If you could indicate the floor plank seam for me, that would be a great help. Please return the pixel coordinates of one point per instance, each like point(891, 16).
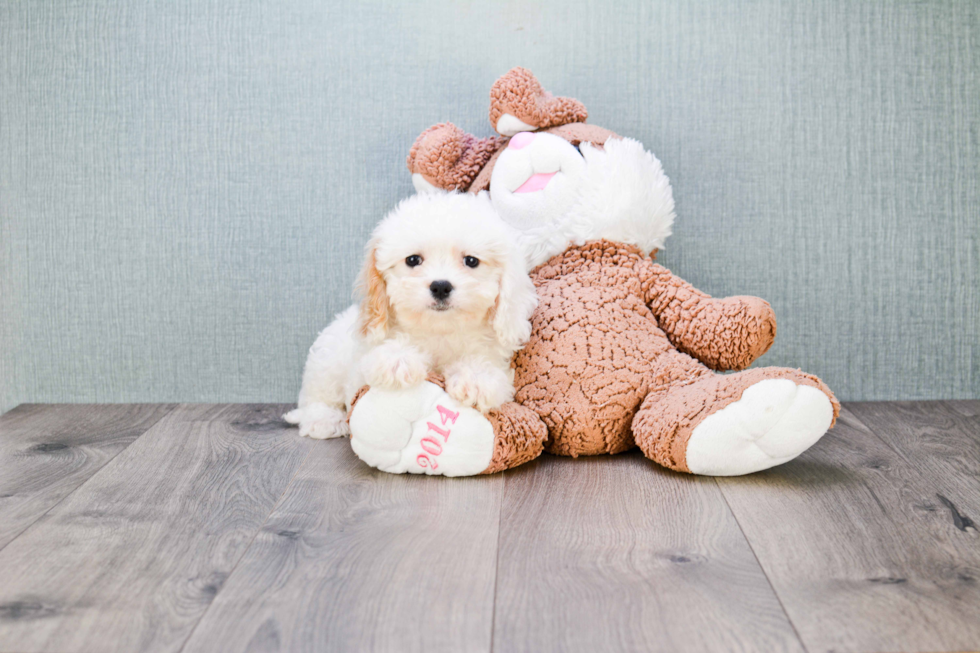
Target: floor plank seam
point(775, 593)
point(246, 549)
point(496, 564)
point(80, 485)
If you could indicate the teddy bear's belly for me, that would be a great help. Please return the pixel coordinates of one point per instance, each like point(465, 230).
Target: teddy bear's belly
point(586, 370)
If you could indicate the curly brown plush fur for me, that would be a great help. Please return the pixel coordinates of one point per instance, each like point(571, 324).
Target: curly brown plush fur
point(599, 348)
point(519, 94)
point(449, 158)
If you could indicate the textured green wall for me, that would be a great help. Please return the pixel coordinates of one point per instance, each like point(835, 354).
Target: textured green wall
point(185, 187)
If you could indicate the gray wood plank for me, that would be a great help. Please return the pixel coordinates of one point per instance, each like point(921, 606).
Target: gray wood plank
point(965, 407)
point(357, 560)
point(941, 440)
point(859, 549)
point(619, 554)
point(131, 560)
point(46, 451)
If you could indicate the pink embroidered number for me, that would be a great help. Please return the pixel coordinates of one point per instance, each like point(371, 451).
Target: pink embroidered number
point(446, 414)
point(430, 444)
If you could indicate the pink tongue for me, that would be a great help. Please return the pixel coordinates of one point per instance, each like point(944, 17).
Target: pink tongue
point(536, 182)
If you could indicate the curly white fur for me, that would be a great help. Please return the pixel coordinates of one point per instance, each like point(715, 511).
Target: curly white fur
point(402, 329)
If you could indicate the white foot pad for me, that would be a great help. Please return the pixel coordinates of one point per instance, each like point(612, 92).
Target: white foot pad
point(774, 422)
point(421, 430)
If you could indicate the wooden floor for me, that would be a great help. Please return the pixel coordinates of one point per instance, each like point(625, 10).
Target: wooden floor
point(216, 528)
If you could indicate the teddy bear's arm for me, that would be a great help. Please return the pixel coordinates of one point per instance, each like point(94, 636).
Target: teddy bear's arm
point(724, 333)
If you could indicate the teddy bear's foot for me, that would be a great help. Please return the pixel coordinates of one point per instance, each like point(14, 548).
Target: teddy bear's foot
point(736, 424)
point(420, 430)
point(774, 422)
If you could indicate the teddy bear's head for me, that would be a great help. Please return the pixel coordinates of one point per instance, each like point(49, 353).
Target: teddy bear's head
point(557, 180)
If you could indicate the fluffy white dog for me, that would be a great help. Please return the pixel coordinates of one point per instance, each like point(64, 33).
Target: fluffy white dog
point(445, 289)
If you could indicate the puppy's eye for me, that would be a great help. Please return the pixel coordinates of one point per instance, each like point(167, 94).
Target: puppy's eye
point(413, 260)
point(471, 261)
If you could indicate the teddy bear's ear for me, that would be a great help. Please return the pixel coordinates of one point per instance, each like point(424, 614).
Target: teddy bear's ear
point(445, 157)
point(518, 104)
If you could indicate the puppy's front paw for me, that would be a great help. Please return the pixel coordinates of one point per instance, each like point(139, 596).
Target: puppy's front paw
point(395, 367)
point(319, 421)
point(480, 385)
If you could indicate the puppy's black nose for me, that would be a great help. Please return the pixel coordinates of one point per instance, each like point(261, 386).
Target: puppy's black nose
point(440, 289)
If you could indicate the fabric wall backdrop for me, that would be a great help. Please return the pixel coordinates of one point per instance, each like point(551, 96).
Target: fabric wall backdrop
point(185, 188)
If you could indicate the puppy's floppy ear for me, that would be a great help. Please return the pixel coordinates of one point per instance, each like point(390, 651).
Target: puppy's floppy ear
point(515, 303)
point(375, 312)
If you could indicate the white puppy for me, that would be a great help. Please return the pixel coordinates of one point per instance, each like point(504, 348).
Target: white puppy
point(445, 290)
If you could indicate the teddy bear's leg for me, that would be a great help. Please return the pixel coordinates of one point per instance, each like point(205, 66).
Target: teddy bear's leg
point(422, 430)
point(519, 436)
point(728, 425)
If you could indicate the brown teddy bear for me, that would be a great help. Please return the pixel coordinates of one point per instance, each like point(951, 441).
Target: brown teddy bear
point(623, 353)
